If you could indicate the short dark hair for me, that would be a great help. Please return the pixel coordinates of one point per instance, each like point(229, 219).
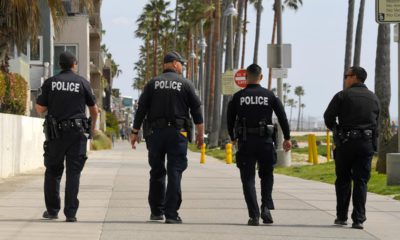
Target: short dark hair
point(253, 70)
point(359, 72)
point(67, 60)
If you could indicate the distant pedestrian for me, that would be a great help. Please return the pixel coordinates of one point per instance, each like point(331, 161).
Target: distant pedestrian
point(355, 134)
point(166, 102)
point(250, 126)
point(65, 97)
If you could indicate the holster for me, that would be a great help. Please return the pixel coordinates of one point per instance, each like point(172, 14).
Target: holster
point(146, 128)
point(50, 128)
point(188, 125)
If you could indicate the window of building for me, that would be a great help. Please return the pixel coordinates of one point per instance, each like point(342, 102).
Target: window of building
point(58, 49)
point(36, 52)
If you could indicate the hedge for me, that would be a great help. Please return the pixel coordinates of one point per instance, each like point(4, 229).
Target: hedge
point(13, 93)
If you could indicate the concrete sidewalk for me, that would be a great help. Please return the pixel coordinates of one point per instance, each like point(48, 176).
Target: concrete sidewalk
point(113, 205)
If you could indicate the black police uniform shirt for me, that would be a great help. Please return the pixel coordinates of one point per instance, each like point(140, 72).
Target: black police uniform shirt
point(356, 107)
point(168, 96)
point(256, 103)
point(66, 95)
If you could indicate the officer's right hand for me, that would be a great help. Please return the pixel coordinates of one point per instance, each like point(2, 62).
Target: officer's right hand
point(134, 139)
point(199, 140)
point(287, 145)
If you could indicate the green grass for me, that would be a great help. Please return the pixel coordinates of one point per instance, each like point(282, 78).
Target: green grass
point(326, 173)
point(304, 138)
point(215, 152)
point(321, 172)
point(321, 150)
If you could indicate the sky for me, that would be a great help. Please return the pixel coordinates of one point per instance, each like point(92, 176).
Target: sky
point(317, 32)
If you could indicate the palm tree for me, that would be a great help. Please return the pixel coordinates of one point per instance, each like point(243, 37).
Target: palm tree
point(286, 91)
point(291, 4)
point(244, 33)
point(299, 91)
point(292, 104)
point(259, 8)
point(302, 106)
point(158, 10)
point(357, 46)
point(382, 91)
point(20, 22)
point(239, 24)
point(349, 37)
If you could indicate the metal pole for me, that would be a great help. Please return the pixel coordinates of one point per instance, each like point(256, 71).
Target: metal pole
point(283, 157)
point(398, 89)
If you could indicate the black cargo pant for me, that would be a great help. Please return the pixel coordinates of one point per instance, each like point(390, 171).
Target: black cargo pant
point(171, 142)
point(71, 146)
point(254, 150)
point(353, 164)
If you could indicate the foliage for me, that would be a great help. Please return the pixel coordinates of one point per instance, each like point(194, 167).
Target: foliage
point(13, 93)
point(112, 124)
point(326, 173)
point(100, 141)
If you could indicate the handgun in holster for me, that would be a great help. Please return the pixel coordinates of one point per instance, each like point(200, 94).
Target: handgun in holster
point(189, 128)
point(87, 127)
point(146, 128)
point(336, 135)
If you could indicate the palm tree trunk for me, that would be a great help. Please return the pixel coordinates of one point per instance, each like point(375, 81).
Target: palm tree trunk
point(214, 134)
point(155, 55)
point(290, 119)
point(382, 91)
point(298, 116)
point(349, 38)
point(244, 33)
point(272, 42)
point(259, 9)
point(210, 77)
point(238, 35)
point(357, 46)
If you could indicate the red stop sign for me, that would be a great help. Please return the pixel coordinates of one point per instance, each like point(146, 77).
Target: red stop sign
point(240, 78)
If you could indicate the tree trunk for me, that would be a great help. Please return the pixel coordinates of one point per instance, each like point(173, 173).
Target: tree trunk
point(349, 38)
point(272, 42)
point(238, 34)
point(209, 93)
point(244, 33)
point(216, 123)
point(258, 23)
point(298, 116)
point(382, 91)
point(357, 46)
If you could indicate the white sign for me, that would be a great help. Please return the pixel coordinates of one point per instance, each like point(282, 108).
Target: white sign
point(272, 55)
point(279, 73)
point(387, 11)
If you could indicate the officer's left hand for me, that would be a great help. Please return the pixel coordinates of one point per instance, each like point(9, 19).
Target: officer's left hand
point(287, 145)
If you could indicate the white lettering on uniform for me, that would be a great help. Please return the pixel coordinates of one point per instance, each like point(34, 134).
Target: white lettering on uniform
point(165, 84)
point(65, 86)
point(254, 100)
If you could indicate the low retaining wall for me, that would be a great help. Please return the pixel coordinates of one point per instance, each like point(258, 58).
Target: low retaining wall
point(21, 144)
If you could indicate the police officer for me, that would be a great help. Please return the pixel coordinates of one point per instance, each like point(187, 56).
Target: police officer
point(165, 102)
point(250, 123)
point(64, 97)
point(357, 110)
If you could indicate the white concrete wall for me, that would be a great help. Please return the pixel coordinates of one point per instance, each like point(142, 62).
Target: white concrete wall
point(21, 144)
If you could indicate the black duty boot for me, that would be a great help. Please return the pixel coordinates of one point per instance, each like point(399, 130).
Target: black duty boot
point(340, 222)
point(49, 216)
point(357, 225)
point(253, 222)
point(176, 220)
point(156, 217)
point(266, 216)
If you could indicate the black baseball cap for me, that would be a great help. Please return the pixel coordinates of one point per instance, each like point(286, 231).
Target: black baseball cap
point(67, 59)
point(174, 56)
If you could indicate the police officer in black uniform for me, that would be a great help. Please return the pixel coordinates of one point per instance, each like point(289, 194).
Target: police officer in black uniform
point(165, 102)
point(64, 97)
point(250, 122)
point(357, 110)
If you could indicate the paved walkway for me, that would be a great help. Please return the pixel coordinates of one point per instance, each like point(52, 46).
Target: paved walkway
point(114, 205)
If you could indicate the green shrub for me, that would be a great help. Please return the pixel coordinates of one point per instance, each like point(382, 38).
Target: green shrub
point(13, 93)
point(112, 125)
point(100, 141)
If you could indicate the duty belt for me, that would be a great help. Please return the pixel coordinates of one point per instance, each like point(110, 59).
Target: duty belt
point(71, 124)
point(164, 123)
point(355, 134)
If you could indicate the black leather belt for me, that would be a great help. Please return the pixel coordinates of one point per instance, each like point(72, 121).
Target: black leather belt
point(164, 123)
